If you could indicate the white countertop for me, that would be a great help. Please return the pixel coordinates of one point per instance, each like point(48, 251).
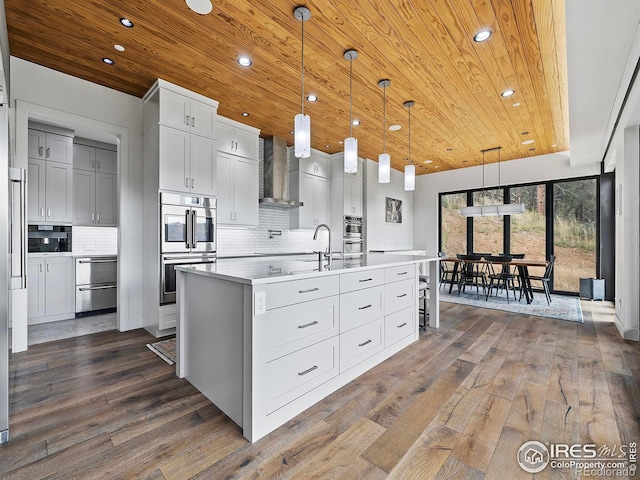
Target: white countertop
point(254, 271)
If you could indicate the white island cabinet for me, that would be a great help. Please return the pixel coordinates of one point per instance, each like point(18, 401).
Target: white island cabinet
point(267, 338)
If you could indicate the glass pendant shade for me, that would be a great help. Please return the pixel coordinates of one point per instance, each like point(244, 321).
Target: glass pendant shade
point(384, 168)
point(302, 136)
point(350, 155)
point(410, 177)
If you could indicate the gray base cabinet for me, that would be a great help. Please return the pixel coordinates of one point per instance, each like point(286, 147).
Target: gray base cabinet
point(51, 289)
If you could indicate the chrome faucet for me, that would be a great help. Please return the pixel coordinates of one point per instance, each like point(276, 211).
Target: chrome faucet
point(315, 237)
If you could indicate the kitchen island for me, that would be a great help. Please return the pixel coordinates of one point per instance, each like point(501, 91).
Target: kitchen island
point(264, 339)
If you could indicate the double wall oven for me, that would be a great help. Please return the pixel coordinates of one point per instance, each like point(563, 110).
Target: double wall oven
point(352, 237)
point(188, 232)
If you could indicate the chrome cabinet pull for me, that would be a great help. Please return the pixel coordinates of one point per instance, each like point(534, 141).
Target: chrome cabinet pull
point(315, 367)
point(402, 325)
point(366, 306)
point(187, 120)
point(403, 295)
point(308, 324)
point(48, 268)
point(186, 182)
point(403, 273)
point(366, 280)
point(93, 215)
point(48, 212)
point(363, 344)
point(98, 165)
point(98, 261)
point(48, 152)
point(102, 287)
point(42, 212)
point(193, 121)
point(40, 268)
point(40, 151)
point(193, 182)
point(98, 218)
point(308, 291)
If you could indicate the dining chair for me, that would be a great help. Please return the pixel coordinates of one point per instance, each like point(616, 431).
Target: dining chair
point(545, 279)
point(423, 296)
point(447, 274)
point(471, 273)
point(502, 276)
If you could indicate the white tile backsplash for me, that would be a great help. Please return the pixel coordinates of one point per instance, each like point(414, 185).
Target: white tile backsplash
point(95, 240)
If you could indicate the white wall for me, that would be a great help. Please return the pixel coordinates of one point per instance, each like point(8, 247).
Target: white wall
point(381, 235)
point(540, 168)
point(100, 113)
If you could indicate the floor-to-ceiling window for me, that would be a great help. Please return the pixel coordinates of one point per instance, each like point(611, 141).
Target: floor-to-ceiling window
point(575, 210)
point(488, 232)
point(453, 225)
point(528, 230)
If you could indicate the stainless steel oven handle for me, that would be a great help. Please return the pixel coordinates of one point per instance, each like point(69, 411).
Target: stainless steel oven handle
point(187, 222)
point(98, 261)
point(102, 287)
point(195, 258)
point(194, 231)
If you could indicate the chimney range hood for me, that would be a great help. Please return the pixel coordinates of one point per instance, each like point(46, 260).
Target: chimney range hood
point(275, 174)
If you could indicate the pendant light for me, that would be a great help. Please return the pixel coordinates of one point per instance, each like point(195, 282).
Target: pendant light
point(302, 122)
point(492, 210)
point(409, 170)
point(351, 144)
point(384, 160)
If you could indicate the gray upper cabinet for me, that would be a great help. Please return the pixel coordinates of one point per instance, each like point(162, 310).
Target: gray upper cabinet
point(50, 146)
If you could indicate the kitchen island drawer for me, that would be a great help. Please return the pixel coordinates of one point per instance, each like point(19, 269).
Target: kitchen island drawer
point(398, 325)
point(360, 343)
point(291, 376)
point(290, 328)
point(359, 280)
point(360, 307)
point(401, 272)
point(398, 295)
point(288, 293)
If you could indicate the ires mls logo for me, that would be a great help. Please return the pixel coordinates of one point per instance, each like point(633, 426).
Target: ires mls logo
point(533, 457)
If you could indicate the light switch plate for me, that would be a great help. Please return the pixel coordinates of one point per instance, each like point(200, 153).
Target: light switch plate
point(260, 303)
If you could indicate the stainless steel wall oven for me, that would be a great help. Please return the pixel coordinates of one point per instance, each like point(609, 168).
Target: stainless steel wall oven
point(352, 237)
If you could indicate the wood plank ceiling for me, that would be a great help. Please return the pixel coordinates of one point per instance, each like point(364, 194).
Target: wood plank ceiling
point(425, 47)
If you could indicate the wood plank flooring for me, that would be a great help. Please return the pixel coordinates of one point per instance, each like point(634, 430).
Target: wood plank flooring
point(456, 404)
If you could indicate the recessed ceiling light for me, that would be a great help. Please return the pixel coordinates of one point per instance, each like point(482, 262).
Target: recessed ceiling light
point(292, 132)
point(516, 104)
point(507, 93)
point(394, 128)
point(355, 122)
point(108, 61)
point(126, 22)
point(200, 6)
point(312, 98)
point(119, 48)
point(327, 146)
point(449, 149)
point(340, 142)
point(428, 161)
point(532, 149)
point(245, 61)
point(482, 35)
point(465, 161)
point(528, 142)
point(437, 166)
point(525, 133)
point(245, 114)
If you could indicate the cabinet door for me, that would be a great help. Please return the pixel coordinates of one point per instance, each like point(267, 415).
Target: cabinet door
point(106, 199)
point(36, 177)
point(316, 165)
point(36, 144)
point(246, 143)
point(84, 158)
point(84, 197)
point(306, 213)
point(322, 200)
point(59, 286)
point(224, 188)
point(357, 198)
point(35, 287)
point(224, 136)
point(106, 161)
point(59, 192)
point(245, 191)
point(174, 160)
point(203, 165)
point(203, 119)
point(59, 148)
point(174, 110)
point(352, 196)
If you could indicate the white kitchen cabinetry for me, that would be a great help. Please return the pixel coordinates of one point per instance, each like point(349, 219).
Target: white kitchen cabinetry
point(309, 183)
point(51, 288)
point(238, 139)
point(353, 189)
point(237, 190)
point(187, 162)
point(181, 111)
point(95, 186)
point(50, 191)
point(53, 147)
point(347, 192)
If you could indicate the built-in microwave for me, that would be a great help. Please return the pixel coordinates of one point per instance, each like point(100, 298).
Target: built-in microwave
point(49, 238)
point(352, 227)
point(187, 223)
point(352, 248)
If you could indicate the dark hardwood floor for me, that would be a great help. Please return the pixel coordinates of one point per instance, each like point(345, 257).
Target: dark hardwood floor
point(456, 404)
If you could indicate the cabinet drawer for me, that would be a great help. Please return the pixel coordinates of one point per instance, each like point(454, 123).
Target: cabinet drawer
point(168, 317)
point(397, 295)
point(289, 293)
point(359, 280)
point(402, 272)
point(360, 343)
point(398, 325)
point(293, 327)
point(360, 307)
point(291, 376)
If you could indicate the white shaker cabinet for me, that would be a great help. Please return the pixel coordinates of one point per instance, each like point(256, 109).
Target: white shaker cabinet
point(309, 183)
point(188, 114)
point(236, 138)
point(353, 196)
point(50, 146)
point(187, 163)
point(50, 192)
point(237, 190)
point(51, 288)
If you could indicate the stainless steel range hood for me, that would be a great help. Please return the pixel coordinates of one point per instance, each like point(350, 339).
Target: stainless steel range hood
point(275, 174)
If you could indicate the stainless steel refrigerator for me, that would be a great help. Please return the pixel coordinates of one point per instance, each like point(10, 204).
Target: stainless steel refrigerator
point(4, 276)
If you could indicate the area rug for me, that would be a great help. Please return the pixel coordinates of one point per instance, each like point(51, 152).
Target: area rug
point(562, 307)
point(165, 349)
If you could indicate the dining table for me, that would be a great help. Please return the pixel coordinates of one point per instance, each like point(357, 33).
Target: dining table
point(522, 266)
